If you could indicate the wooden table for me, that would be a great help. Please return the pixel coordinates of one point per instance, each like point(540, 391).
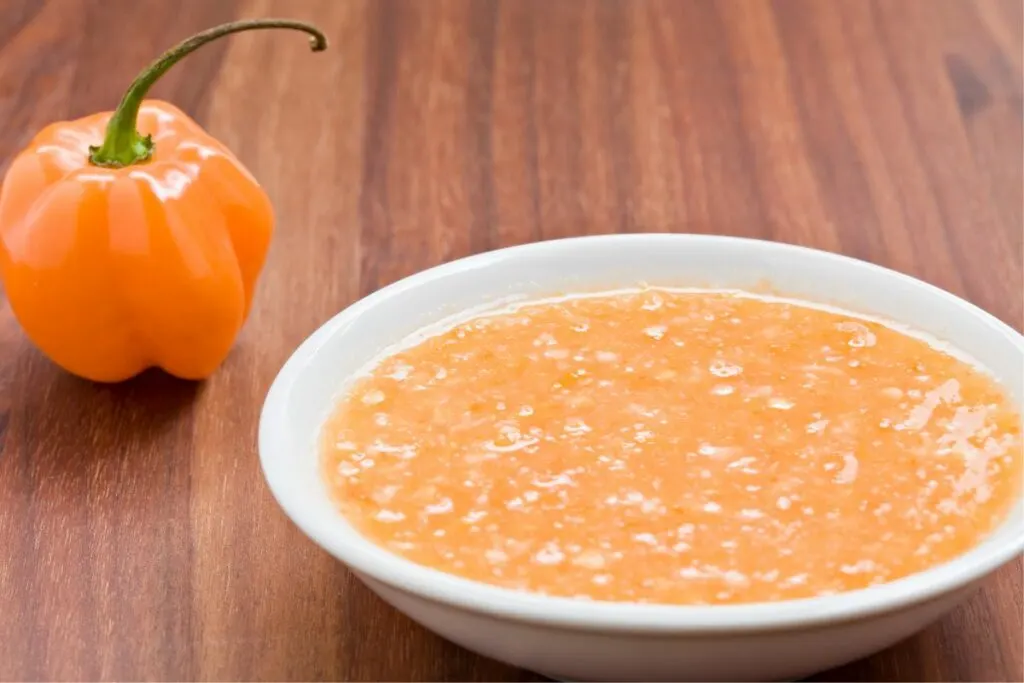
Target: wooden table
point(137, 537)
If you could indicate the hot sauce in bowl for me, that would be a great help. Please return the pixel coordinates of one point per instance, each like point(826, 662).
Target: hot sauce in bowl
point(532, 617)
point(674, 447)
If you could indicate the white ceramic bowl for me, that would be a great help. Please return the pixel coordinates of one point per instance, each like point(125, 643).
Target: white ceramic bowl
point(569, 639)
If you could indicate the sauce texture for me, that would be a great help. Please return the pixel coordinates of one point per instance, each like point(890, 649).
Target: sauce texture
point(674, 446)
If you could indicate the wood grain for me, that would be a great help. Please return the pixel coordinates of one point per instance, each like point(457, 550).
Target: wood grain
point(137, 538)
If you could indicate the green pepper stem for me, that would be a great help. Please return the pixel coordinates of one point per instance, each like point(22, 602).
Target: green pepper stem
point(122, 144)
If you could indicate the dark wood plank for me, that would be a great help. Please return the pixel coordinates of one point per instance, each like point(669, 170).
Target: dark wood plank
point(140, 540)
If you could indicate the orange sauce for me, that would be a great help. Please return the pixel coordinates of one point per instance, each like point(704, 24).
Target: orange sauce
point(674, 447)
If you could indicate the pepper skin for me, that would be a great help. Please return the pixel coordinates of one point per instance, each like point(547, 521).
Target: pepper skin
point(140, 252)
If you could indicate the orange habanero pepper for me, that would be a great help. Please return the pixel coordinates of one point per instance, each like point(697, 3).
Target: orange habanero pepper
point(140, 251)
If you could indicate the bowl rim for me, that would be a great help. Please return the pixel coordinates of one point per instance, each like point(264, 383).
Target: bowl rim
point(369, 560)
